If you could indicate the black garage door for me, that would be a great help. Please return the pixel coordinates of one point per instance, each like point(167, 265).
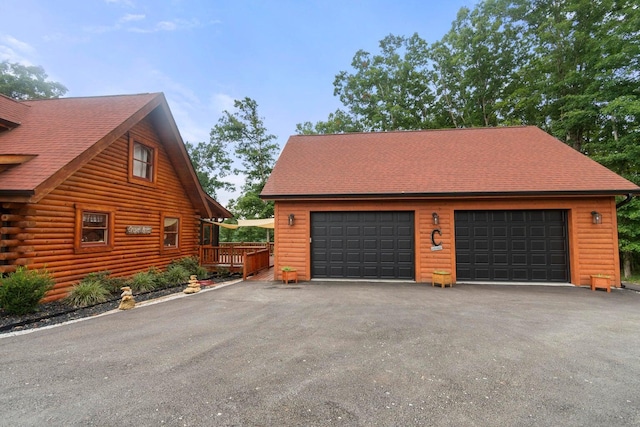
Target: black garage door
point(362, 245)
point(526, 246)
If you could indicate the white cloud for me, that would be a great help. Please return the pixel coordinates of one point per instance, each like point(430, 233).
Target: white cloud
point(175, 25)
point(129, 17)
point(221, 102)
point(14, 50)
point(125, 3)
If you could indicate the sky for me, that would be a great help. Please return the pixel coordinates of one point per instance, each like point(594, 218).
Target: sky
point(204, 54)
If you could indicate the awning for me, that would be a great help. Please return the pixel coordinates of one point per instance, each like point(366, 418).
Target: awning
point(263, 223)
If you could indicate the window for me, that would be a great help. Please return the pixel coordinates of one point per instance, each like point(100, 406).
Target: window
point(171, 232)
point(94, 228)
point(142, 161)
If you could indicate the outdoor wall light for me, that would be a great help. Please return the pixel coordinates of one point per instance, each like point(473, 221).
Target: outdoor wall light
point(436, 218)
point(291, 219)
point(596, 217)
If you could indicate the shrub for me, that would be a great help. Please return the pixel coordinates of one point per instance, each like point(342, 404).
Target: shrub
point(142, 282)
point(21, 291)
point(176, 274)
point(114, 284)
point(189, 263)
point(223, 271)
point(111, 284)
point(88, 292)
point(202, 272)
point(159, 280)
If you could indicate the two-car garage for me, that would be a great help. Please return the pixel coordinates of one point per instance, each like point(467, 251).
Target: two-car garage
point(490, 245)
point(505, 202)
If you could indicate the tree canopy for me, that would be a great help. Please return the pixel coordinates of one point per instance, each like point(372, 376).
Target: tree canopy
point(239, 136)
point(569, 67)
point(24, 82)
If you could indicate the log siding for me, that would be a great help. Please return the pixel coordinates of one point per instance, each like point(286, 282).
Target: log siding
point(593, 248)
point(104, 183)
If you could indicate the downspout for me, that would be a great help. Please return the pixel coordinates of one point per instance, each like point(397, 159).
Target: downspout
point(626, 200)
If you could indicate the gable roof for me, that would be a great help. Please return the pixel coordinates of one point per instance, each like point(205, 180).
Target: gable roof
point(59, 136)
point(520, 160)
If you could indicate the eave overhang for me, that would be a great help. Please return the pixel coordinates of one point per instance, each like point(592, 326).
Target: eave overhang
point(451, 195)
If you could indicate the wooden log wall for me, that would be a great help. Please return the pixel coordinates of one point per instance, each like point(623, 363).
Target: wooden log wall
point(13, 225)
point(49, 230)
point(593, 249)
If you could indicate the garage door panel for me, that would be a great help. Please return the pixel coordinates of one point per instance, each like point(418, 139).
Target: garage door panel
point(405, 257)
point(369, 231)
point(538, 246)
point(353, 244)
point(518, 245)
point(336, 256)
point(363, 245)
point(370, 256)
point(370, 244)
point(519, 259)
point(352, 230)
point(499, 244)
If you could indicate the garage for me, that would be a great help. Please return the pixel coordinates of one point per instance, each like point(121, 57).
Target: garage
point(518, 245)
point(362, 245)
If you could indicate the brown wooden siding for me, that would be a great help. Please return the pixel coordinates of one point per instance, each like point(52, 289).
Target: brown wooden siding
point(593, 248)
point(104, 182)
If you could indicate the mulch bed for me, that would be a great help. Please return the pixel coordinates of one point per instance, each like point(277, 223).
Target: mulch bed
point(59, 311)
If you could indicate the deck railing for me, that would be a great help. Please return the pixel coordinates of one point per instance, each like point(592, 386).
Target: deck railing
point(255, 261)
point(236, 257)
point(269, 245)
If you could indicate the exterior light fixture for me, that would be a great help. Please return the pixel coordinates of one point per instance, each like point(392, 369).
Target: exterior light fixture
point(596, 217)
point(436, 218)
point(291, 219)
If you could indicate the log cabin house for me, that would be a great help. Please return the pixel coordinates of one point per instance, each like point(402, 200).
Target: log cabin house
point(487, 205)
point(94, 184)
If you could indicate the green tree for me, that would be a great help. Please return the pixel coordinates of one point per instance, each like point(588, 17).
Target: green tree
point(23, 82)
point(388, 91)
point(211, 162)
point(338, 122)
point(475, 63)
point(244, 133)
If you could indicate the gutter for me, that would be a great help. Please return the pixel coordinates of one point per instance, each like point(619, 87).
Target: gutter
point(626, 200)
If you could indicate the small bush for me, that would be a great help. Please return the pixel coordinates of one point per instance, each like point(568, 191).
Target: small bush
point(114, 284)
point(159, 279)
point(88, 292)
point(223, 271)
point(202, 272)
point(176, 274)
point(142, 282)
point(21, 291)
point(189, 263)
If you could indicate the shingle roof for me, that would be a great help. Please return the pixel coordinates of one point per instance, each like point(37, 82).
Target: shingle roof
point(11, 111)
point(64, 133)
point(58, 131)
point(476, 161)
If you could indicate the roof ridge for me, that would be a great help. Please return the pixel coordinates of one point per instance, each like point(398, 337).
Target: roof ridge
point(92, 97)
point(478, 128)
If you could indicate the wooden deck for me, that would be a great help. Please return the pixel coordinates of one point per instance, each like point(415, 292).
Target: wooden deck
point(249, 259)
point(264, 275)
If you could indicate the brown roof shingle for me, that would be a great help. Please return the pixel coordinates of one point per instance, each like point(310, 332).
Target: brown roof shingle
point(63, 134)
point(476, 161)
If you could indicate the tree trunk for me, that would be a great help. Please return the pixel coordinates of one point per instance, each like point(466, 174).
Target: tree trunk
point(626, 264)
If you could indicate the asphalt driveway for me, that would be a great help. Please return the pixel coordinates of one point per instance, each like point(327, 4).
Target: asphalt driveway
point(328, 353)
